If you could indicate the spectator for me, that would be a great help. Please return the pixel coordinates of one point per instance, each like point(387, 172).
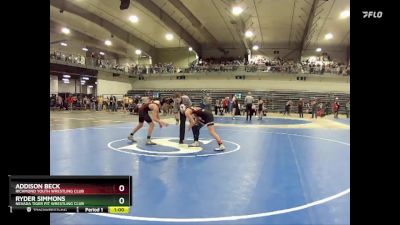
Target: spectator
point(235, 107)
point(336, 107)
point(314, 108)
point(207, 102)
point(328, 108)
point(300, 106)
point(226, 104)
point(60, 102)
point(288, 107)
point(216, 106)
point(260, 104)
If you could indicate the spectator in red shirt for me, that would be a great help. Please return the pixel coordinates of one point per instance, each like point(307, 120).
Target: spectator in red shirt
point(336, 107)
point(225, 104)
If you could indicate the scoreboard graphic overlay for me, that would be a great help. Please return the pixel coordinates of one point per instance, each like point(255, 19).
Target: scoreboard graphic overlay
point(78, 194)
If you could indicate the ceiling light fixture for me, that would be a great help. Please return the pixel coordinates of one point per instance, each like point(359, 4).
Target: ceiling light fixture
point(65, 30)
point(344, 14)
point(169, 36)
point(237, 10)
point(249, 34)
point(134, 19)
point(328, 36)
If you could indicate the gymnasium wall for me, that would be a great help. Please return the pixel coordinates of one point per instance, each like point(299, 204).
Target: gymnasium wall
point(270, 82)
point(339, 54)
point(73, 87)
point(107, 84)
point(209, 52)
point(53, 84)
point(126, 61)
point(57, 86)
point(178, 56)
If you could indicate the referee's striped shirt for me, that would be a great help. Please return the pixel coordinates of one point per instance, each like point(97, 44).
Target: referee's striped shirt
point(185, 100)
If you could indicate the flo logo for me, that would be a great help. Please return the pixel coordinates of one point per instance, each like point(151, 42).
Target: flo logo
point(372, 14)
point(170, 147)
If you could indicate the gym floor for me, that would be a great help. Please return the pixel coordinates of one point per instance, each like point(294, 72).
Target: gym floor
point(280, 170)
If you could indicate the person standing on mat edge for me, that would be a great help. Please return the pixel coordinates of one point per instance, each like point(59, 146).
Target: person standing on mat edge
point(179, 99)
point(197, 118)
point(207, 102)
point(336, 107)
point(249, 104)
point(348, 109)
point(235, 107)
point(314, 107)
point(260, 108)
point(300, 106)
point(144, 116)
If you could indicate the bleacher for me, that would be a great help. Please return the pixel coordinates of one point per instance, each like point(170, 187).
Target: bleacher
point(276, 99)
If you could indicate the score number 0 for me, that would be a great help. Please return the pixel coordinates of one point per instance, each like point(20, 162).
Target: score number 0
point(121, 200)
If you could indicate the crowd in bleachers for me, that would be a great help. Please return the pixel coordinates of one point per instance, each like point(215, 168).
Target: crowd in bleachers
point(275, 64)
point(313, 65)
point(322, 68)
point(101, 61)
point(216, 65)
point(163, 68)
point(224, 106)
point(68, 57)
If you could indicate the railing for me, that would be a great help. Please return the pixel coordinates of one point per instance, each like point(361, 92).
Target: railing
point(276, 100)
point(89, 67)
point(92, 63)
point(266, 69)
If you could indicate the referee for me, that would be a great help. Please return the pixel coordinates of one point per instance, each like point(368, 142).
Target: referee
point(179, 99)
point(249, 105)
